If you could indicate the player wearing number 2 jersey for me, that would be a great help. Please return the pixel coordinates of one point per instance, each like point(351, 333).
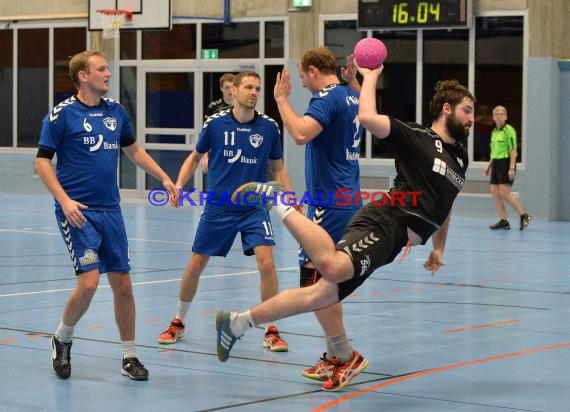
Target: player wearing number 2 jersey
point(241, 143)
point(331, 132)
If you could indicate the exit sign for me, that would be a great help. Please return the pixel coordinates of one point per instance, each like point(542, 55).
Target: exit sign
point(302, 3)
point(209, 54)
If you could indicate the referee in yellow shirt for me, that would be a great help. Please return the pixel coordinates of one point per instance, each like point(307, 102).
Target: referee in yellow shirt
point(502, 168)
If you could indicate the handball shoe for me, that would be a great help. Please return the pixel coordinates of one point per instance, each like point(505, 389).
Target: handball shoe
point(501, 224)
point(525, 220)
point(173, 334)
point(225, 339)
point(61, 357)
point(134, 369)
point(273, 341)
point(320, 371)
point(342, 374)
point(257, 194)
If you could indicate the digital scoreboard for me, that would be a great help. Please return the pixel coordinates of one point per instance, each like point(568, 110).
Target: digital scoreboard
point(413, 14)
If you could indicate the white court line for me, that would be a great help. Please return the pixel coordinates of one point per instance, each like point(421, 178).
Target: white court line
point(173, 242)
point(29, 231)
point(153, 282)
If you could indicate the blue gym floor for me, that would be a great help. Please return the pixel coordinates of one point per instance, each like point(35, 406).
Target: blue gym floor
point(490, 332)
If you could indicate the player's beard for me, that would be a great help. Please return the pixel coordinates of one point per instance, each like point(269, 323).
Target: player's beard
point(456, 129)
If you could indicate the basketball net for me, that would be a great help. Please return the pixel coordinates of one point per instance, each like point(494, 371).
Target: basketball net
point(112, 20)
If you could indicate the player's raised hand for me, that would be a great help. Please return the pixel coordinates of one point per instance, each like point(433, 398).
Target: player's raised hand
point(282, 84)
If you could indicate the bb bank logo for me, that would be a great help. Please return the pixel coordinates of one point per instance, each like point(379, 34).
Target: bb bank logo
point(95, 143)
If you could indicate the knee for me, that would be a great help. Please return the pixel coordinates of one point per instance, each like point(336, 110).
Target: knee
point(323, 293)
point(337, 268)
point(505, 191)
point(266, 265)
point(123, 289)
point(329, 269)
point(88, 287)
point(196, 266)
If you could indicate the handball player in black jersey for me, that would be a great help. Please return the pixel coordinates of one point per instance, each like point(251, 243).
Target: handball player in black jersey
point(430, 164)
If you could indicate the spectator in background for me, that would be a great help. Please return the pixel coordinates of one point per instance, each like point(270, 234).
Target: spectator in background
point(225, 102)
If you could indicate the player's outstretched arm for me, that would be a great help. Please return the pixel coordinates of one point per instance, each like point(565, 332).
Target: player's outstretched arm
point(377, 124)
point(141, 158)
point(435, 258)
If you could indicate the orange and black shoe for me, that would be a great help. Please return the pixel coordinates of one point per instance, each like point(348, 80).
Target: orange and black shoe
point(273, 341)
point(344, 373)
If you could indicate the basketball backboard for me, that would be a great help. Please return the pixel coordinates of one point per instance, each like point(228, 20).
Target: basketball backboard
point(147, 14)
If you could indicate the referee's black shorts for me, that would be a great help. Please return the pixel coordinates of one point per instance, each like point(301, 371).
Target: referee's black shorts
point(373, 238)
point(500, 172)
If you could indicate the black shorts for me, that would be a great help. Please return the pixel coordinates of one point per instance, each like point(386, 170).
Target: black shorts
point(373, 238)
point(500, 172)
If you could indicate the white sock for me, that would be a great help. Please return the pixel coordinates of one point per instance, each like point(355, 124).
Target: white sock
point(128, 349)
point(241, 322)
point(342, 348)
point(283, 210)
point(64, 333)
point(182, 310)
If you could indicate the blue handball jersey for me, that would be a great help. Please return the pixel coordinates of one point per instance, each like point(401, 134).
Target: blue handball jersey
point(238, 153)
point(87, 141)
point(331, 159)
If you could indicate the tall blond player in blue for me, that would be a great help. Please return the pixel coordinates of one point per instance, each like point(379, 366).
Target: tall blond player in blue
point(87, 133)
point(241, 144)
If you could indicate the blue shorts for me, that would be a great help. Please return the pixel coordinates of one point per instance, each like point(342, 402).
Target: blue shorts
point(100, 244)
point(217, 230)
point(333, 220)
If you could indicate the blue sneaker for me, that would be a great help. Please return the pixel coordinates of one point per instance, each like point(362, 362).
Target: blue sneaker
point(225, 339)
point(262, 195)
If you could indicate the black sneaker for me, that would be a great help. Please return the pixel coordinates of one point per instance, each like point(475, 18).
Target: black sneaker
point(61, 358)
point(134, 369)
point(501, 224)
point(525, 220)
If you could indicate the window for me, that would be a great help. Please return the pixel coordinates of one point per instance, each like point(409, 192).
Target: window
point(233, 41)
point(498, 77)
point(128, 45)
point(33, 84)
point(274, 39)
point(178, 43)
point(396, 89)
point(67, 42)
point(340, 38)
point(170, 100)
point(128, 98)
point(446, 57)
point(6, 87)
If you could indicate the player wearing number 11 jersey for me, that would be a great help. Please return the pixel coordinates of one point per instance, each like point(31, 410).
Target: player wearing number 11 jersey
point(242, 143)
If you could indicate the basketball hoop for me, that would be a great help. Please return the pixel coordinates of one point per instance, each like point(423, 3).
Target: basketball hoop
point(112, 20)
